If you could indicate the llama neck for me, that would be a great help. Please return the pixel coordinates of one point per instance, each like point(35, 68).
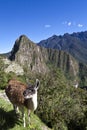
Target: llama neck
point(31, 103)
point(34, 100)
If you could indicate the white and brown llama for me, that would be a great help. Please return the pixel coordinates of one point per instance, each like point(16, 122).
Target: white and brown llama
point(22, 96)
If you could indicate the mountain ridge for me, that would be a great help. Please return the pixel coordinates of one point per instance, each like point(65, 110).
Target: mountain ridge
point(75, 44)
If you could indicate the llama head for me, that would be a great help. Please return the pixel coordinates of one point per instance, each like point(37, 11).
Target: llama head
point(31, 90)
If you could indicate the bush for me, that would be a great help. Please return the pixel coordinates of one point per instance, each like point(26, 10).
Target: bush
point(61, 106)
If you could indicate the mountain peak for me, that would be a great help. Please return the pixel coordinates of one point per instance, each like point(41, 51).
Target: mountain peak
point(22, 42)
point(23, 38)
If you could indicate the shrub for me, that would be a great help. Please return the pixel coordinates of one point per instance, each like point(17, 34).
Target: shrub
point(61, 106)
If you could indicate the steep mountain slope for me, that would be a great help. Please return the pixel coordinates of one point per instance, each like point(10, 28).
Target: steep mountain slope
point(37, 59)
point(75, 44)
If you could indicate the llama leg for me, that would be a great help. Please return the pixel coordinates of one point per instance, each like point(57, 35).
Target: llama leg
point(23, 115)
point(29, 116)
point(16, 108)
point(24, 120)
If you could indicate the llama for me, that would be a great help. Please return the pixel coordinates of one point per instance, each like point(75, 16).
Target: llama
point(21, 95)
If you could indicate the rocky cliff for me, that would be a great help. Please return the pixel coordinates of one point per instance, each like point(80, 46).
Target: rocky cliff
point(28, 55)
point(37, 59)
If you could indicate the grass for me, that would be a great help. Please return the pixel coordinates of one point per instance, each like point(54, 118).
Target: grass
point(11, 121)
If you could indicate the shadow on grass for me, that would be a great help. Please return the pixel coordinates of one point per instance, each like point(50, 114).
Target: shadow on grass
point(8, 119)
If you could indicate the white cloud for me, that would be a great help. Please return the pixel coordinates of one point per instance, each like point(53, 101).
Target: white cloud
point(47, 26)
point(69, 23)
point(80, 25)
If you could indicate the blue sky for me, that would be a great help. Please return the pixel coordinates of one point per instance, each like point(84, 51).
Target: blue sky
point(39, 19)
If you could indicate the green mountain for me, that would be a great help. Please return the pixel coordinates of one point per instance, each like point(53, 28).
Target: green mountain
point(60, 105)
point(75, 44)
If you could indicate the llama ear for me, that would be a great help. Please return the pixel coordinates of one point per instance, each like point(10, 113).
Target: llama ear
point(37, 84)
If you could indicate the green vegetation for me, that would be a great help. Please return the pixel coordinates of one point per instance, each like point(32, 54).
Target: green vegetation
point(83, 74)
point(61, 106)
